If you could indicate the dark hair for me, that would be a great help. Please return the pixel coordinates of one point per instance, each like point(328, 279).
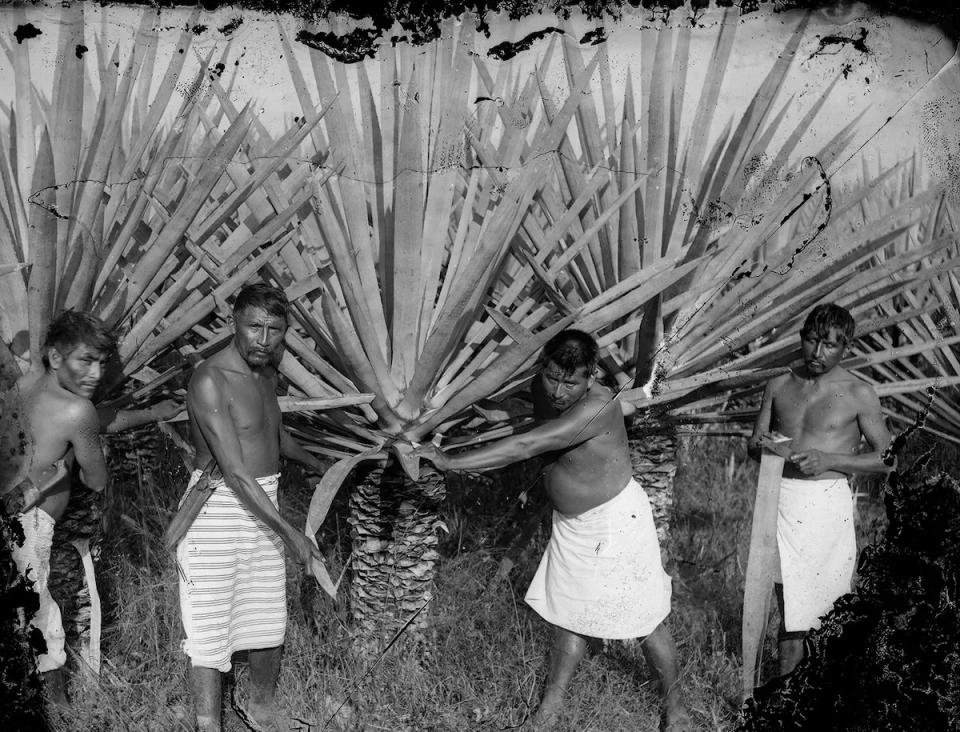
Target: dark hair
point(263, 296)
point(570, 350)
point(74, 328)
point(826, 316)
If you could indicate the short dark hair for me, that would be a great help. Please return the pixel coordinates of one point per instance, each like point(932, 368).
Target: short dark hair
point(263, 296)
point(74, 328)
point(570, 350)
point(826, 316)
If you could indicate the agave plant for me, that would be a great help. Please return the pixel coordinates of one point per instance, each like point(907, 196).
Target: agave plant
point(434, 224)
point(109, 205)
point(454, 239)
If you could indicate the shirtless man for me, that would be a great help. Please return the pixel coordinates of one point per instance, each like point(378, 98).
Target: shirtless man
point(826, 411)
point(62, 424)
point(601, 575)
point(231, 561)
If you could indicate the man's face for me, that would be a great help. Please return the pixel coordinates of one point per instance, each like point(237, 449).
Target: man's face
point(258, 336)
point(565, 388)
point(822, 351)
point(80, 370)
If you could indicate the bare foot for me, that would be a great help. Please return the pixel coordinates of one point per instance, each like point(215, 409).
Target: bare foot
point(548, 713)
point(676, 719)
point(265, 718)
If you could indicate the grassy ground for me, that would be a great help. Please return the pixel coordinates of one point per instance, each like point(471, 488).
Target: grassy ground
point(485, 661)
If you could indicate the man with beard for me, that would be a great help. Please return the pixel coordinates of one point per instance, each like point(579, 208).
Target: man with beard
point(827, 412)
point(601, 575)
point(231, 560)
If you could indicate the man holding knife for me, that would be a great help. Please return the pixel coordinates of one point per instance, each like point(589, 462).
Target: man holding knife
point(231, 559)
point(825, 411)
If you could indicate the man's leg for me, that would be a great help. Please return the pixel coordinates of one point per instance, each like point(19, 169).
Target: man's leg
point(568, 649)
point(660, 652)
point(264, 672)
point(205, 686)
point(55, 687)
point(789, 643)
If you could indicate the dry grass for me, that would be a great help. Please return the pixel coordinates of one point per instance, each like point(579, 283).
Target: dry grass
point(483, 665)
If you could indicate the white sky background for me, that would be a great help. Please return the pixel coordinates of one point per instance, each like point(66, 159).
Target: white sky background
point(910, 73)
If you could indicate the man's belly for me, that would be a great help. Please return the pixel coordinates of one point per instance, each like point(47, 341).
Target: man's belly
point(572, 494)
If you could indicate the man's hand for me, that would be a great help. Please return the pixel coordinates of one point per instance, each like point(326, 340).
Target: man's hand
point(772, 441)
point(811, 462)
point(304, 551)
point(166, 409)
point(434, 454)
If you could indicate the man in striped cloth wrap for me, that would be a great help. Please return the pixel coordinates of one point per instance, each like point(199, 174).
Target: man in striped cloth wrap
point(231, 561)
point(828, 412)
point(601, 575)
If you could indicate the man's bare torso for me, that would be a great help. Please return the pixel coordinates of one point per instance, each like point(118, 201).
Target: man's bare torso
point(818, 414)
point(252, 403)
point(48, 409)
point(592, 472)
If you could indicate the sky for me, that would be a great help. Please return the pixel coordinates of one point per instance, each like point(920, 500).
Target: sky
point(902, 76)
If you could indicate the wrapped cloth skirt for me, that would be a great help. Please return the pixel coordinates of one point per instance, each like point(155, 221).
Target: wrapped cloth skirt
point(232, 579)
point(601, 575)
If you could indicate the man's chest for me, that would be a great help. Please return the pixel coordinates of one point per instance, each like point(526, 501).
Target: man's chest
point(253, 406)
point(826, 408)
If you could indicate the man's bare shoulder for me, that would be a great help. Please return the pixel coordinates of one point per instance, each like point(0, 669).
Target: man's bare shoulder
point(781, 382)
point(60, 407)
point(860, 389)
point(600, 401)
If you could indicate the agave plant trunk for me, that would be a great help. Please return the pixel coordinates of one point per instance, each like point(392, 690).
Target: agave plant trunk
point(133, 462)
point(653, 458)
point(394, 532)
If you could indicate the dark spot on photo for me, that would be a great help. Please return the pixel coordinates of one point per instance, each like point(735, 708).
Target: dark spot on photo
point(231, 26)
point(508, 50)
point(25, 32)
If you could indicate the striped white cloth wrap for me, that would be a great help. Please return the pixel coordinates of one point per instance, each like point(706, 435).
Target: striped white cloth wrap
point(232, 579)
point(601, 574)
point(817, 548)
point(33, 560)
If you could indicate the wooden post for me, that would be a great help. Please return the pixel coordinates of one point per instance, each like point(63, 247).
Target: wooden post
point(761, 562)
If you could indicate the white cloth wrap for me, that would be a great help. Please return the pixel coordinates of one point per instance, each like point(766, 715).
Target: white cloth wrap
point(33, 560)
point(817, 548)
point(232, 579)
point(601, 574)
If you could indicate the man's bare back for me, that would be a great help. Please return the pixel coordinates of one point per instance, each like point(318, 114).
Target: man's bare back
point(62, 425)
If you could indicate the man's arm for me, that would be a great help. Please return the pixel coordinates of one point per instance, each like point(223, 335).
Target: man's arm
point(207, 406)
point(118, 420)
point(582, 422)
point(293, 450)
point(84, 437)
point(874, 430)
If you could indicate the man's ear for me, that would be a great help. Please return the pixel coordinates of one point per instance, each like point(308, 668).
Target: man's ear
point(54, 357)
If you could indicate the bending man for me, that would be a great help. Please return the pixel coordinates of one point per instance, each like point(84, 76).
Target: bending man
point(827, 411)
point(232, 579)
point(601, 575)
